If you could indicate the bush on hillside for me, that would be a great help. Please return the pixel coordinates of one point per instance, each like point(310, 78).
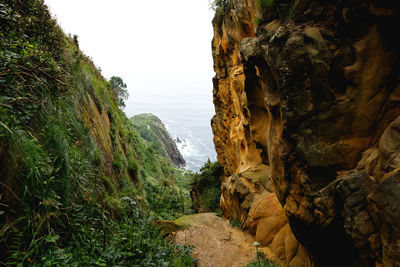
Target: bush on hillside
point(206, 188)
point(221, 6)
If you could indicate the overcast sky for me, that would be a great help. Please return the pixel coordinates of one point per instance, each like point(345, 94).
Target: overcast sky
point(152, 45)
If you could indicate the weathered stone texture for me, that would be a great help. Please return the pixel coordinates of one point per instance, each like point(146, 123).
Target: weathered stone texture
point(307, 111)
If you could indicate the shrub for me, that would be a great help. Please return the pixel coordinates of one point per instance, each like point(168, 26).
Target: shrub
point(95, 239)
point(221, 6)
point(118, 162)
point(206, 188)
point(211, 198)
point(262, 261)
point(165, 200)
point(133, 169)
point(235, 223)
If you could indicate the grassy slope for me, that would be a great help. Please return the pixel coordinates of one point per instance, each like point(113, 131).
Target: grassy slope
point(153, 131)
point(75, 176)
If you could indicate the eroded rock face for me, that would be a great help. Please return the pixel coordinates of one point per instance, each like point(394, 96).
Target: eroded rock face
point(307, 109)
point(247, 187)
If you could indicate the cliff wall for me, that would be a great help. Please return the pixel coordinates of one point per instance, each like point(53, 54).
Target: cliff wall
point(306, 127)
point(154, 132)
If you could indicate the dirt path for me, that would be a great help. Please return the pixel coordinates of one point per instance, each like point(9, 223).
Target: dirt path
point(216, 242)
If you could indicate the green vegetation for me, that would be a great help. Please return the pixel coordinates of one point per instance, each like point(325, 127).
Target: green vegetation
point(169, 197)
point(235, 223)
point(262, 261)
point(97, 240)
point(153, 131)
point(221, 6)
point(272, 9)
point(206, 188)
point(78, 185)
point(119, 89)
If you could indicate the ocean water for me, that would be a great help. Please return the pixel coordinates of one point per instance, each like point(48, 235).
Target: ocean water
point(186, 115)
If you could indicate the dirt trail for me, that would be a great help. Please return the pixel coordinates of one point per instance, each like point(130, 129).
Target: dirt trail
point(216, 242)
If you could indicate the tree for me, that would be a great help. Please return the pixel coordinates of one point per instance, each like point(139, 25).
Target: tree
point(119, 89)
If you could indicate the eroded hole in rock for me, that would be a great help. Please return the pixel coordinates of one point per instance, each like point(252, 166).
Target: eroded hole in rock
point(321, 176)
point(329, 246)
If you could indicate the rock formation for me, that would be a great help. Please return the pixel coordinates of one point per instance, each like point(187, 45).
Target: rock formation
point(307, 128)
point(151, 129)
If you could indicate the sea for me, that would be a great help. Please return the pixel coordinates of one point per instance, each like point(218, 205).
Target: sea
point(187, 117)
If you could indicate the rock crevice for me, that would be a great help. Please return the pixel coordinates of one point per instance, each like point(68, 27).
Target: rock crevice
point(307, 106)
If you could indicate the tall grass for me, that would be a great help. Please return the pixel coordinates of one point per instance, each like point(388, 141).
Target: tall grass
point(64, 200)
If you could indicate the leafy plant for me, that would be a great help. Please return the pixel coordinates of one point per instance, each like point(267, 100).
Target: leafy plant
point(221, 6)
point(206, 187)
point(133, 169)
point(262, 261)
point(119, 162)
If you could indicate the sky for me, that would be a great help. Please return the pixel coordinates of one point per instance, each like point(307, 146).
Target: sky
point(162, 51)
point(153, 45)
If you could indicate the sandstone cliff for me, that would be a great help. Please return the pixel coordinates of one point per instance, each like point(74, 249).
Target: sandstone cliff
point(306, 127)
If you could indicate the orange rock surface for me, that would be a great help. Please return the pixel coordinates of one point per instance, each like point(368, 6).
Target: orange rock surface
point(307, 127)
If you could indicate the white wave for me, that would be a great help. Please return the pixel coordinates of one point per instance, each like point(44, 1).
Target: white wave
point(185, 147)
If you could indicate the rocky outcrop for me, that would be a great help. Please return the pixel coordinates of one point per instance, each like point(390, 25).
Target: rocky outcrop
point(151, 129)
point(247, 187)
point(307, 112)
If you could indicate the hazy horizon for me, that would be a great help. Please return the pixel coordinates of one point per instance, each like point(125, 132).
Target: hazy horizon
point(162, 51)
point(152, 45)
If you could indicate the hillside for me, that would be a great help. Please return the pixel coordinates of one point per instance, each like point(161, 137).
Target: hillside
point(154, 132)
point(75, 175)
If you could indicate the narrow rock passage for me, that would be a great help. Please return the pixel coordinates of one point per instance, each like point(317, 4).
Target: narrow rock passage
point(216, 242)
